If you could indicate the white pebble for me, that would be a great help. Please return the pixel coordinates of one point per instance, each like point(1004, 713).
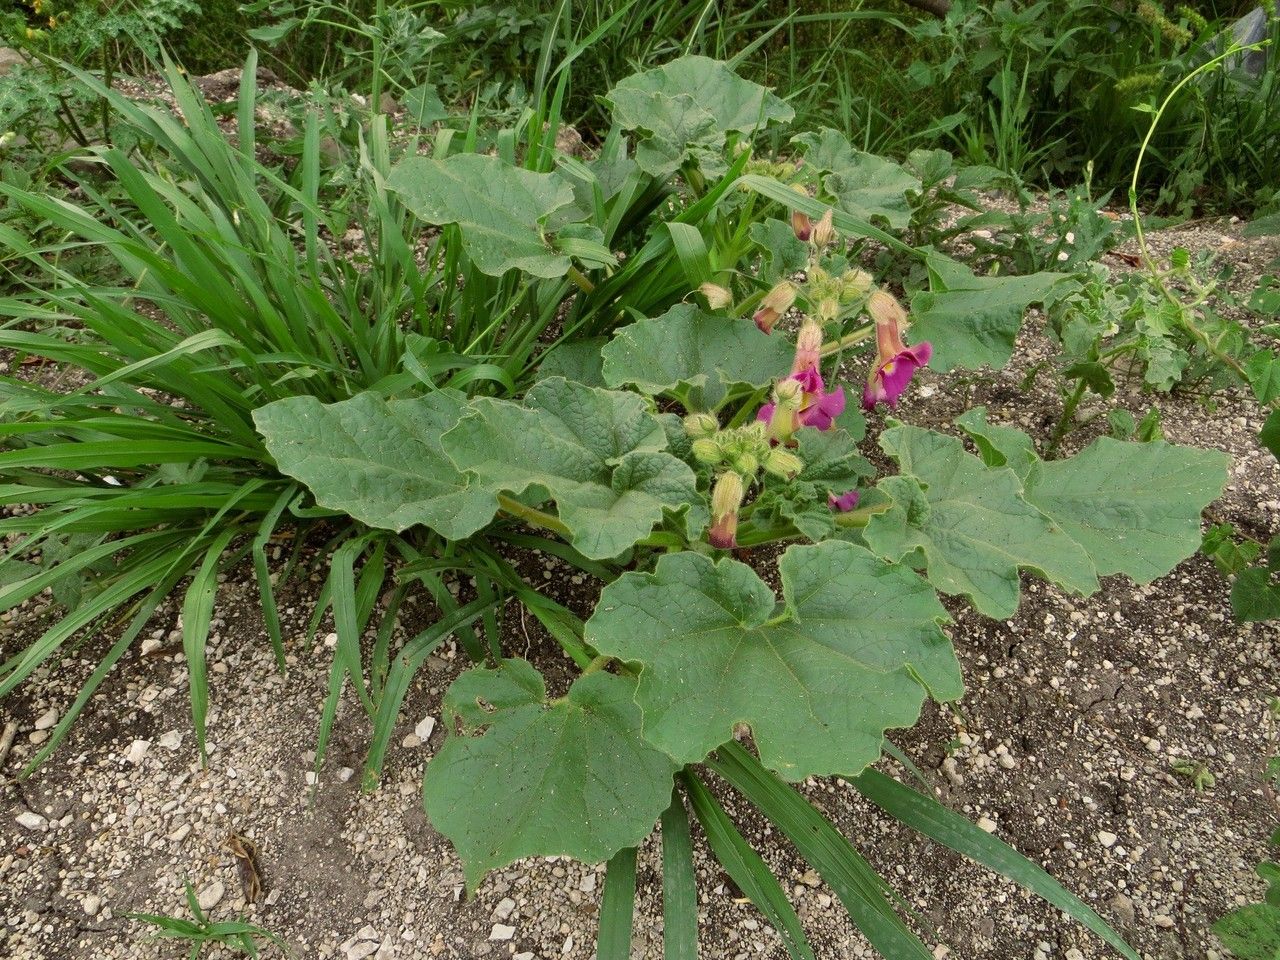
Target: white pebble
point(32, 821)
point(1107, 838)
point(92, 904)
point(171, 740)
point(987, 824)
point(137, 750)
point(212, 895)
point(502, 931)
point(47, 720)
point(424, 728)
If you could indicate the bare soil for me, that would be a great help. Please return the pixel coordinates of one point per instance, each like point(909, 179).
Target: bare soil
point(1078, 717)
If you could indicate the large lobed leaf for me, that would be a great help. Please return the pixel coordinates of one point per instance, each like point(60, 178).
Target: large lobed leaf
point(973, 321)
point(848, 654)
point(379, 461)
point(970, 524)
point(695, 356)
point(598, 453)
point(684, 109)
point(522, 776)
point(862, 184)
point(499, 208)
point(1130, 508)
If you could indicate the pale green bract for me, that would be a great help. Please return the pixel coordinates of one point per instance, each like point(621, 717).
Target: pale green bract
point(379, 461)
point(499, 209)
point(848, 655)
point(970, 524)
point(531, 777)
point(694, 356)
point(598, 453)
point(973, 321)
point(684, 109)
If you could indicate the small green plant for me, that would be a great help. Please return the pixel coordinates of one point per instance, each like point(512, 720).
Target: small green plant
point(201, 932)
point(1196, 772)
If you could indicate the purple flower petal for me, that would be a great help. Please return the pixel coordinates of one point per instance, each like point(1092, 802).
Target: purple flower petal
point(843, 503)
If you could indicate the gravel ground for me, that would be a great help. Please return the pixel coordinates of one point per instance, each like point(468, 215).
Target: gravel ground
point(1078, 718)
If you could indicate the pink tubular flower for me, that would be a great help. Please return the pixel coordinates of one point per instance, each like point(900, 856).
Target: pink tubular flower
point(895, 361)
point(843, 503)
point(813, 406)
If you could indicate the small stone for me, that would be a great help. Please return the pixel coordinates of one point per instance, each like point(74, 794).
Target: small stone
point(180, 834)
point(506, 906)
point(32, 821)
point(588, 883)
point(1123, 907)
point(1006, 761)
point(411, 741)
point(1074, 954)
point(92, 904)
point(137, 750)
point(1154, 745)
point(47, 720)
point(344, 774)
point(150, 645)
point(212, 895)
point(1164, 920)
point(360, 949)
point(171, 740)
point(423, 730)
point(273, 897)
point(811, 879)
point(526, 955)
point(502, 931)
point(1107, 838)
point(987, 824)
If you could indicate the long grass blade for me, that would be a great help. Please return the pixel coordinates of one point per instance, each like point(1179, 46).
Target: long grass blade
point(679, 885)
point(617, 907)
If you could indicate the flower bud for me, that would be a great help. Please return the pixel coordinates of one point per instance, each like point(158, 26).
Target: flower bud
point(808, 348)
point(701, 425)
point(776, 302)
point(885, 309)
point(788, 392)
point(828, 309)
point(856, 281)
point(726, 498)
point(800, 221)
point(717, 297)
point(783, 463)
point(746, 464)
point(706, 450)
point(824, 232)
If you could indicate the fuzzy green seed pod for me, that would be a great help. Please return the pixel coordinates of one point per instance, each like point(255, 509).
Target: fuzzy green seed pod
point(783, 463)
point(698, 425)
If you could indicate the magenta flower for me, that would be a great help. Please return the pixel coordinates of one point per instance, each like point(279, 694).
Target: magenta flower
point(843, 503)
point(895, 361)
point(813, 407)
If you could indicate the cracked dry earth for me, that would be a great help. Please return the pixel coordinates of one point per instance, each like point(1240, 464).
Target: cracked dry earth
point(1078, 717)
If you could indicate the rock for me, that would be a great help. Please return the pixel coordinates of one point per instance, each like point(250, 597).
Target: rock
point(987, 824)
point(1107, 838)
point(344, 774)
point(212, 895)
point(150, 646)
point(411, 741)
point(360, 950)
point(1123, 907)
point(504, 909)
point(502, 931)
point(424, 728)
point(137, 750)
point(180, 834)
point(47, 720)
point(171, 740)
point(92, 904)
point(32, 821)
point(1074, 954)
point(9, 58)
point(588, 884)
point(1164, 920)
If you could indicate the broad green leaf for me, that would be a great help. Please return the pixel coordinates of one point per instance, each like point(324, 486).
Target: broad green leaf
point(695, 356)
point(847, 655)
point(1134, 507)
point(523, 775)
point(379, 461)
point(973, 321)
point(970, 524)
point(1269, 435)
point(578, 360)
point(499, 208)
point(685, 108)
point(999, 446)
point(598, 453)
point(863, 185)
point(1252, 932)
point(1255, 596)
point(782, 251)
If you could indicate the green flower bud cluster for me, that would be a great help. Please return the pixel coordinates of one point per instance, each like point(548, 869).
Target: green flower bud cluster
point(743, 450)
